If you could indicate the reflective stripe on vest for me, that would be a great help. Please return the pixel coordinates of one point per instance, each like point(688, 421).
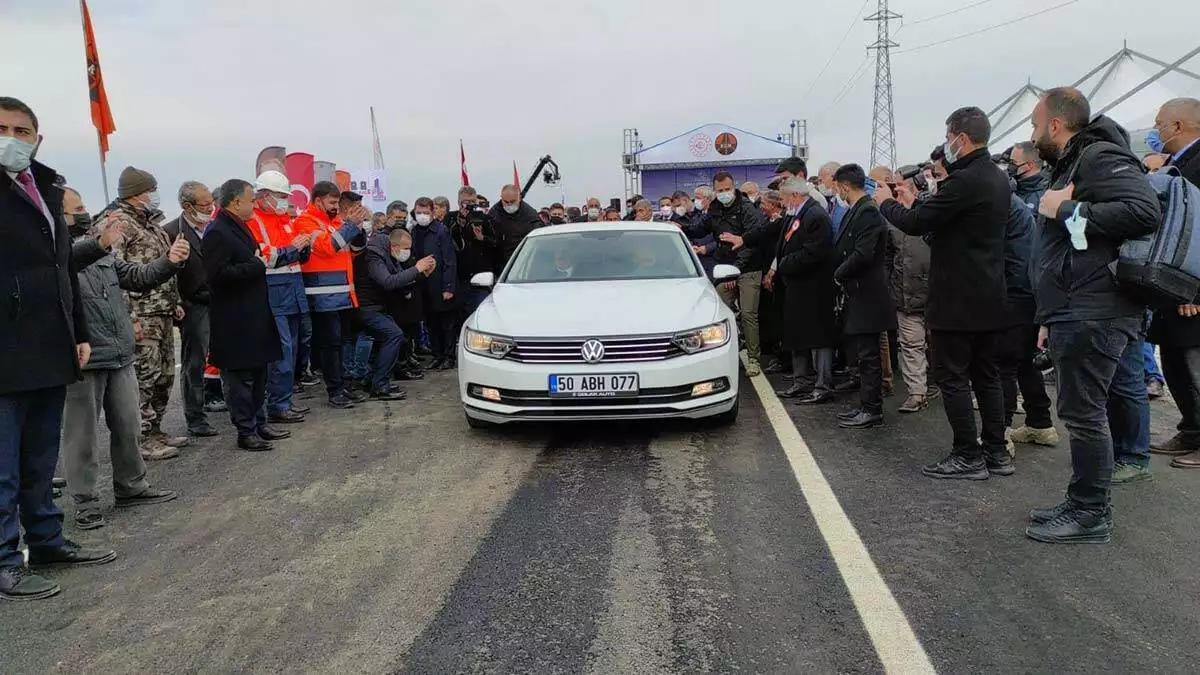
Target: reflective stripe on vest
point(294, 268)
point(329, 290)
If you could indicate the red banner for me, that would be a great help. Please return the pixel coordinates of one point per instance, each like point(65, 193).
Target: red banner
point(342, 178)
point(300, 172)
point(271, 158)
point(516, 176)
point(101, 114)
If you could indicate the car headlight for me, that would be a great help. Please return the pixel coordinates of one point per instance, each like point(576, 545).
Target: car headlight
point(484, 344)
point(700, 339)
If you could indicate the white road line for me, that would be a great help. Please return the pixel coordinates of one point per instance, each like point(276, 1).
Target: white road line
point(889, 630)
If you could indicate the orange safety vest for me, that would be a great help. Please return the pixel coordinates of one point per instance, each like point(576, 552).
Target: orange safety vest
point(329, 272)
point(273, 232)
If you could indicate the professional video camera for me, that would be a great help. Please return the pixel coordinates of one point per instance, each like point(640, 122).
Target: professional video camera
point(917, 175)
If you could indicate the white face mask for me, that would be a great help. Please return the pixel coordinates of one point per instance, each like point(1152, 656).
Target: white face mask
point(680, 211)
point(594, 214)
point(155, 201)
point(200, 218)
point(698, 204)
point(403, 254)
point(511, 208)
point(15, 154)
point(281, 205)
point(726, 198)
point(666, 211)
point(424, 219)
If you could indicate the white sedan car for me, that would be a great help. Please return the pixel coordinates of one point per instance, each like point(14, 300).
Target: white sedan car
point(600, 321)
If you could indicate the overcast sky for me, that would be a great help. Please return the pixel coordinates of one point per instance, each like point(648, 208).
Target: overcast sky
point(199, 87)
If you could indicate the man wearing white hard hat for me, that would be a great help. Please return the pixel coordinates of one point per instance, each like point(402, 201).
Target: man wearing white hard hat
point(283, 249)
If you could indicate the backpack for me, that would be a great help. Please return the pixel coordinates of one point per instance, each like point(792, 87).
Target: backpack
point(1164, 267)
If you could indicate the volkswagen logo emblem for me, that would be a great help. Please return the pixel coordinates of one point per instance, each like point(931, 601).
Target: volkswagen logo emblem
point(592, 351)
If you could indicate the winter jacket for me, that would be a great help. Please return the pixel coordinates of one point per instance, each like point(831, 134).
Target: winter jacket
point(472, 255)
point(143, 242)
point(511, 229)
point(804, 279)
point(743, 219)
point(967, 219)
point(1169, 329)
point(908, 271)
point(434, 240)
point(1018, 249)
point(1031, 188)
point(1112, 193)
point(100, 288)
point(378, 276)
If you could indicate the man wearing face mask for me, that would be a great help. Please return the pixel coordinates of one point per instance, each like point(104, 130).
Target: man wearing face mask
point(558, 214)
point(431, 238)
point(511, 219)
point(642, 212)
point(473, 234)
point(153, 312)
point(688, 219)
point(328, 282)
point(45, 335)
point(1025, 167)
point(284, 251)
point(197, 204)
point(739, 228)
point(666, 210)
point(397, 215)
point(405, 305)
point(966, 308)
point(594, 212)
point(109, 383)
point(750, 189)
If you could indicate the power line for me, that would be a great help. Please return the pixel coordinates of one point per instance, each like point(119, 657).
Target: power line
point(853, 23)
point(938, 16)
point(850, 82)
point(989, 28)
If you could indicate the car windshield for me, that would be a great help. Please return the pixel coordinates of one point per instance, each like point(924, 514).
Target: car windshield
point(602, 255)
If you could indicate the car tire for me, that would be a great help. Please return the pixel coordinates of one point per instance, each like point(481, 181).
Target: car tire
point(727, 418)
point(477, 423)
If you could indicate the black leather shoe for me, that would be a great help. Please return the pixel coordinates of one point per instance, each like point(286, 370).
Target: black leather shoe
point(849, 385)
point(72, 554)
point(1045, 515)
point(268, 433)
point(448, 364)
point(1074, 527)
point(1000, 464)
point(389, 394)
point(285, 417)
point(777, 367)
point(818, 398)
point(864, 420)
point(409, 375)
point(20, 583)
point(794, 391)
point(148, 496)
point(437, 364)
point(300, 409)
point(957, 467)
point(423, 351)
point(254, 444)
point(341, 402)
point(849, 414)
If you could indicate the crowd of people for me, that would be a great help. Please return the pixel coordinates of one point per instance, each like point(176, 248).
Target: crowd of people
point(962, 269)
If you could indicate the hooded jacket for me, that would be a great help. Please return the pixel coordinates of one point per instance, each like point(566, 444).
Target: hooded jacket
point(511, 229)
point(1112, 193)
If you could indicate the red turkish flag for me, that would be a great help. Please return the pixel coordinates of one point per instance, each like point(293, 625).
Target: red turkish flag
point(301, 174)
point(516, 176)
point(463, 163)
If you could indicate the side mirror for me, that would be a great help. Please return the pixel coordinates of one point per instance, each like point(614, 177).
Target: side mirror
point(484, 280)
point(725, 273)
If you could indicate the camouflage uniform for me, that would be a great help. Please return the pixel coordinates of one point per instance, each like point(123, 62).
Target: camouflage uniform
point(145, 241)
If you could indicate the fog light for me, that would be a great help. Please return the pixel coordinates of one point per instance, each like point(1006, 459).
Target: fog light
point(489, 393)
point(704, 389)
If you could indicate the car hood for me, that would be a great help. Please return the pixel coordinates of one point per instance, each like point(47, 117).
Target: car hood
point(598, 308)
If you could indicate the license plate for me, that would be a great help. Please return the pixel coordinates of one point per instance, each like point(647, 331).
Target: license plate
point(594, 386)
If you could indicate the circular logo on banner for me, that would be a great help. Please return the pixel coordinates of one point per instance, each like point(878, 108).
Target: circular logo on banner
point(726, 143)
point(700, 145)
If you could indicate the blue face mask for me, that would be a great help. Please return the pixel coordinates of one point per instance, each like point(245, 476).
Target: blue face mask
point(1155, 141)
point(871, 186)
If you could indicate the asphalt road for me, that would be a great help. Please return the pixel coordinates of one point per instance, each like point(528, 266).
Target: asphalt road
point(393, 539)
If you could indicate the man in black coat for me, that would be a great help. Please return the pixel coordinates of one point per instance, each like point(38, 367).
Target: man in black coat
point(197, 204)
point(1025, 167)
point(1176, 330)
point(244, 337)
point(43, 345)
point(512, 219)
point(966, 221)
point(860, 256)
point(1090, 324)
point(802, 278)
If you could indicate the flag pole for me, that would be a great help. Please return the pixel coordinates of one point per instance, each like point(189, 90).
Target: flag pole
point(99, 138)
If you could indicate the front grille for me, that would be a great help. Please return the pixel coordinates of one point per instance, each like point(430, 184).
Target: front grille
point(616, 350)
point(540, 398)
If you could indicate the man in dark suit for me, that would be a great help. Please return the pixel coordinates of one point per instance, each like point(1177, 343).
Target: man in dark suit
point(197, 204)
point(43, 345)
point(966, 221)
point(1176, 330)
point(860, 255)
point(244, 338)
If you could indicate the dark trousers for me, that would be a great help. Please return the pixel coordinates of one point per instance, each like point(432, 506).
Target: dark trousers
point(388, 341)
point(1181, 366)
point(870, 371)
point(963, 362)
point(193, 350)
point(327, 350)
point(30, 426)
point(1098, 365)
point(442, 328)
point(246, 396)
point(1017, 373)
point(304, 344)
point(281, 375)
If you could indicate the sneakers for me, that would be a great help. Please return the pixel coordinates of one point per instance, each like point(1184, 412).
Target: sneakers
point(1124, 474)
point(957, 467)
point(170, 441)
point(341, 402)
point(356, 396)
point(914, 404)
point(215, 406)
point(753, 369)
point(1045, 515)
point(153, 451)
point(20, 583)
point(1073, 526)
point(1032, 436)
point(148, 496)
point(308, 379)
point(1000, 464)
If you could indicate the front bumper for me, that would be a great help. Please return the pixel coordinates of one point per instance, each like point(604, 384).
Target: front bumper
point(664, 388)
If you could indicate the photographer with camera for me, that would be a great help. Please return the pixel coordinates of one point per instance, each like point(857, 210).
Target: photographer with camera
point(908, 280)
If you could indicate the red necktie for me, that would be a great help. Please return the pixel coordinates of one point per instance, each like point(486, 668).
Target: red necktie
point(26, 180)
